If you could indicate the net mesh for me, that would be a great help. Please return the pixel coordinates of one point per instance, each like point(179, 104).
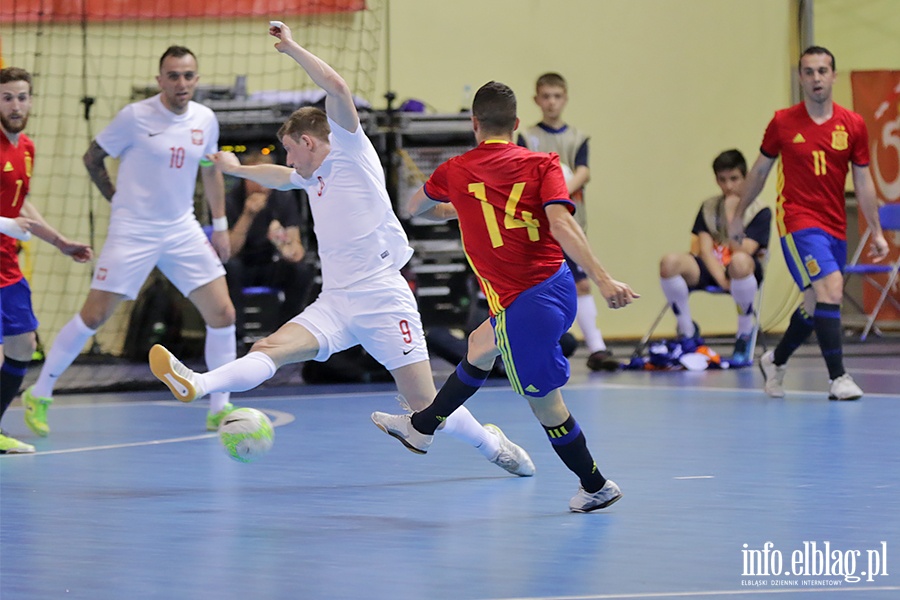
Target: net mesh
point(89, 58)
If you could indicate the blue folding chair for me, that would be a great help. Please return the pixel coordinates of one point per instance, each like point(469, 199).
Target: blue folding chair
point(889, 215)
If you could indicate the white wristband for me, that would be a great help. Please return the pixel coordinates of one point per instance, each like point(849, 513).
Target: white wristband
point(220, 224)
point(11, 228)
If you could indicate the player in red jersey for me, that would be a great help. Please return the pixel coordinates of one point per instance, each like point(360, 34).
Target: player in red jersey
point(817, 140)
point(515, 218)
point(18, 219)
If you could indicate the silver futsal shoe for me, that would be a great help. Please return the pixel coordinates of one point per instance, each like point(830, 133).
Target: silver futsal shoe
point(400, 427)
point(511, 457)
point(584, 502)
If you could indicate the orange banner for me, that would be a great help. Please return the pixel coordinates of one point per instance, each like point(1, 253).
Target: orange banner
point(876, 96)
point(25, 11)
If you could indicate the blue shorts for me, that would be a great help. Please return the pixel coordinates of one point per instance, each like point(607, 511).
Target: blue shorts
point(15, 308)
point(706, 279)
point(527, 334)
point(811, 254)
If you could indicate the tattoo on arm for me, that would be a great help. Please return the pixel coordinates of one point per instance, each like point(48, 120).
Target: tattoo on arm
point(96, 168)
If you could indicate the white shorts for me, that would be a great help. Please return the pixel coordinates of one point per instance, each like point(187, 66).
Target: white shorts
point(181, 251)
point(380, 313)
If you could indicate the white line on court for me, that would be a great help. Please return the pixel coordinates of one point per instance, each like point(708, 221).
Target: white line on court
point(742, 391)
point(279, 418)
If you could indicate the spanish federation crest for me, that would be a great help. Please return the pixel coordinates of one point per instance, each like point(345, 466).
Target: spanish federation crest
point(812, 265)
point(839, 138)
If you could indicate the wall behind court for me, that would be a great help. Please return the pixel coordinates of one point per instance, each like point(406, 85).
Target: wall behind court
point(662, 87)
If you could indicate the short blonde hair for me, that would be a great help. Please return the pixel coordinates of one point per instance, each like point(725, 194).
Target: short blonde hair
point(306, 121)
point(551, 80)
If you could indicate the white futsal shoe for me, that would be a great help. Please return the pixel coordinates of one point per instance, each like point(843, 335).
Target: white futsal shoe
point(844, 388)
point(773, 374)
point(181, 381)
point(585, 502)
point(400, 427)
point(511, 457)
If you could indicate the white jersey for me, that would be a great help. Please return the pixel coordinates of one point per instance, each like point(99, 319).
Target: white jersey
point(356, 228)
point(160, 155)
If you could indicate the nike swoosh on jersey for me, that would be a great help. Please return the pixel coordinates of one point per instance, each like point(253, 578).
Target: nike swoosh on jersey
point(405, 352)
point(155, 134)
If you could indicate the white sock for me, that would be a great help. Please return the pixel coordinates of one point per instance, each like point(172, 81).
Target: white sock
point(743, 291)
point(586, 317)
point(677, 294)
point(66, 347)
point(240, 375)
point(463, 426)
point(220, 349)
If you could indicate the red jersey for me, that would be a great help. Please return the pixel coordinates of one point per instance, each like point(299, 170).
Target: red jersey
point(814, 164)
point(499, 191)
point(15, 176)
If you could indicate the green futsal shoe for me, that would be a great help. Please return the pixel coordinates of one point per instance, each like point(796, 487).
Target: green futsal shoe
point(9, 445)
point(36, 412)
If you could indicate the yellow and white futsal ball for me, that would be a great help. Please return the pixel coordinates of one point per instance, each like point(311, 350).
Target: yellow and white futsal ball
point(247, 434)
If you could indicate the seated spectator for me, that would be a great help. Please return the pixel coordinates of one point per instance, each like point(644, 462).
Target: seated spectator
point(266, 249)
point(715, 260)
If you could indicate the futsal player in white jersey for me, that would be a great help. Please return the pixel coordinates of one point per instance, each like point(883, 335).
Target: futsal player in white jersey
point(161, 142)
point(362, 246)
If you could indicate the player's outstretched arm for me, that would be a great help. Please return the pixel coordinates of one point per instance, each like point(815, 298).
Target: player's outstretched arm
point(96, 168)
point(276, 177)
point(18, 228)
point(574, 243)
point(420, 205)
point(42, 229)
point(339, 99)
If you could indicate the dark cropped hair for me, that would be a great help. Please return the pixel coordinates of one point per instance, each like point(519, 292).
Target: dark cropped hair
point(495, 108)
point(730, 159)
point(308, 120)
point(818, 50)
point(176, 52)
point(9, 74)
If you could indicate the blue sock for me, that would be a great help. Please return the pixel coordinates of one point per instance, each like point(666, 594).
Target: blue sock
point(460, 386)
point(799, 329)
point(11, 375)
point(828, 332)
point(570, 444)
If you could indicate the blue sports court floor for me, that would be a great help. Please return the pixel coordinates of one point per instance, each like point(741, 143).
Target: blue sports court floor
point(727, 494)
